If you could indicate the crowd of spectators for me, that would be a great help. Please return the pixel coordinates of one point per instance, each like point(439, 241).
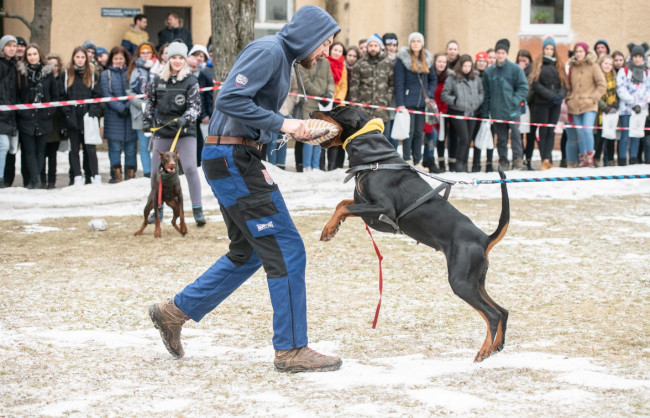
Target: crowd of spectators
point(575, 91)
point(586, 88)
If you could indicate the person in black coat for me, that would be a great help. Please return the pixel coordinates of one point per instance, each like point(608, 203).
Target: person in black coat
point(548, 83)
point(79, 82)
point(8, 44)
point(36, 84)
point(174, 31)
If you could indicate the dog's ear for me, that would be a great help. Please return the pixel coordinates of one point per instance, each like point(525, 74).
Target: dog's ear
point(177, 154)
point(161, 155)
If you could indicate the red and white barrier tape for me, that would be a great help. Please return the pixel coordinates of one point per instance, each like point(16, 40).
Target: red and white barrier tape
point(550, 125)
point(27, 106)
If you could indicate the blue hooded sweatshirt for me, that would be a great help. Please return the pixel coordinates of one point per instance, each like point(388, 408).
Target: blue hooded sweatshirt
point(258, 83)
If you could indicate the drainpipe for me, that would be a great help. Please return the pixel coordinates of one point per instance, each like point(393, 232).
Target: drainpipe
point(421, 16)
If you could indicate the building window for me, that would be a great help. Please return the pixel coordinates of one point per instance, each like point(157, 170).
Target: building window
point(545, 17)
point(272, 15)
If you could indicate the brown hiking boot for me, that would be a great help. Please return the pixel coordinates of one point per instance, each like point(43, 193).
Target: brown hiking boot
point(304, 359)
point(169, 320)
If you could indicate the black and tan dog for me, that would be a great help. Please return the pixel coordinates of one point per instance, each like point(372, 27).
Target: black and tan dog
point(384, 196)
point(171, 193)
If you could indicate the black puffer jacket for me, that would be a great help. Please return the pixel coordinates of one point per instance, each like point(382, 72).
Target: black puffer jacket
point(7, 94)
point(36, 85)
point(548, 85)
point(74, 115)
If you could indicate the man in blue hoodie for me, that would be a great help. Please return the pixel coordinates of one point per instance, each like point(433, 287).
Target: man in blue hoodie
point(259, 226)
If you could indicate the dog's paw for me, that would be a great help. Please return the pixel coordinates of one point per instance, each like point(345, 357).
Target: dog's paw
point(329, 232)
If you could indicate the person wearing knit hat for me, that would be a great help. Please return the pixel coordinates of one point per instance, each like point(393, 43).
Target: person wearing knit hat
point(21, 46)
point(549, 40)
point(502, 44)
point(8, 46)
point(90, 45)
point(416, 35)
point(201, 53)
point(601, 47)
point(548, 81)
point(390, 42)
point(586, 87)
point(173, 105)
point(102, 57)
point(505, 88)
point(632, 87)
point(371, 81)
point(481, 62)
point(6, 39)
point(177, 48)
point(375, 38)
point(583, 45)
point(415, 85)
point(390, 38)
point(636, 50)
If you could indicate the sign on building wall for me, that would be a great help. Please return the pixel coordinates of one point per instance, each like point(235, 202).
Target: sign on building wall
point(119, 12)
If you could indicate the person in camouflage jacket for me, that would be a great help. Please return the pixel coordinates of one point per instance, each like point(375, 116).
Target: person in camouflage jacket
point(372, 80)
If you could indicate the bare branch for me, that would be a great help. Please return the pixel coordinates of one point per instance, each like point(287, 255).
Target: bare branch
point(15, 16)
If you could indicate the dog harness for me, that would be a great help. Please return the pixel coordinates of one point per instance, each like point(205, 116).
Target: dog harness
point(361, 169)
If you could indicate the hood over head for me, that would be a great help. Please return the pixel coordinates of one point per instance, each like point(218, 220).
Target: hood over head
point(309, 27)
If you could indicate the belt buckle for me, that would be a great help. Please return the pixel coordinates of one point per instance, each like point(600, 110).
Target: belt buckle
point(374, 167)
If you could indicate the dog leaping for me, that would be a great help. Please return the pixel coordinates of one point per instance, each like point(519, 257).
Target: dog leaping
point(383, 198)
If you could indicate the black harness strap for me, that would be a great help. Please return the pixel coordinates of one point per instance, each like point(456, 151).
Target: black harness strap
point(374, 167)
point(445, 184)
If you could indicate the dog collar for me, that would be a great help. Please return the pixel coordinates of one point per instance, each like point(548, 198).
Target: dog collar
point(373, 125)
point(168, 179)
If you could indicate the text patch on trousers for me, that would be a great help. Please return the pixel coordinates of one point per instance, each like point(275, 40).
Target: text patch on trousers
point(261, 214)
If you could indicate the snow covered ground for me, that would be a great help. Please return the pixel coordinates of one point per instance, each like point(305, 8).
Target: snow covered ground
point(96, 366)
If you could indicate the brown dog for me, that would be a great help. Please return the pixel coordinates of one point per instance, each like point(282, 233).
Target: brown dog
point(171, 194)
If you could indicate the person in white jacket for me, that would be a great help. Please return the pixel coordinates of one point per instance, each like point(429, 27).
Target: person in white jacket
point(633, 89)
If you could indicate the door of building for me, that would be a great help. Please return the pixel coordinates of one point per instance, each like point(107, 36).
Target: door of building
point(157, 19)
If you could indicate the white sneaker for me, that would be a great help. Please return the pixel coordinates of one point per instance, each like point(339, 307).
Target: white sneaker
point(96, 179)
point(78, 181)
point(306, 169)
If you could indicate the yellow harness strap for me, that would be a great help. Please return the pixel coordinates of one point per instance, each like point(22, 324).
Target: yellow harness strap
point(177, 133)
point(373, 125)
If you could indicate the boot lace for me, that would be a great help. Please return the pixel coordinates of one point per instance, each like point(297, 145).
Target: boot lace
point(315, 353)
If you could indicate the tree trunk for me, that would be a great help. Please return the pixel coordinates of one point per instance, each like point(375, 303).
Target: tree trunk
point(233, 27)
point(42, 24)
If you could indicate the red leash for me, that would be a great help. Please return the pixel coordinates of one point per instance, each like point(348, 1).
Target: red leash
point(160, 187)
point(381, 277)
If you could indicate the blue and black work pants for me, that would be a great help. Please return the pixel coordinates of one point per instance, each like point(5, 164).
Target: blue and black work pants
point(261, 234)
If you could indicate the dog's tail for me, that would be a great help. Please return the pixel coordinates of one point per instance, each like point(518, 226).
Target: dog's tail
point(504, 219)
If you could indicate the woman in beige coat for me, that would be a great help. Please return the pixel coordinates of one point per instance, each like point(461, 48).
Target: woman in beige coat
point(586, 86)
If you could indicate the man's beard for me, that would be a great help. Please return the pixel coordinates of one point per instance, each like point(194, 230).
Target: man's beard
point(308, 63)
